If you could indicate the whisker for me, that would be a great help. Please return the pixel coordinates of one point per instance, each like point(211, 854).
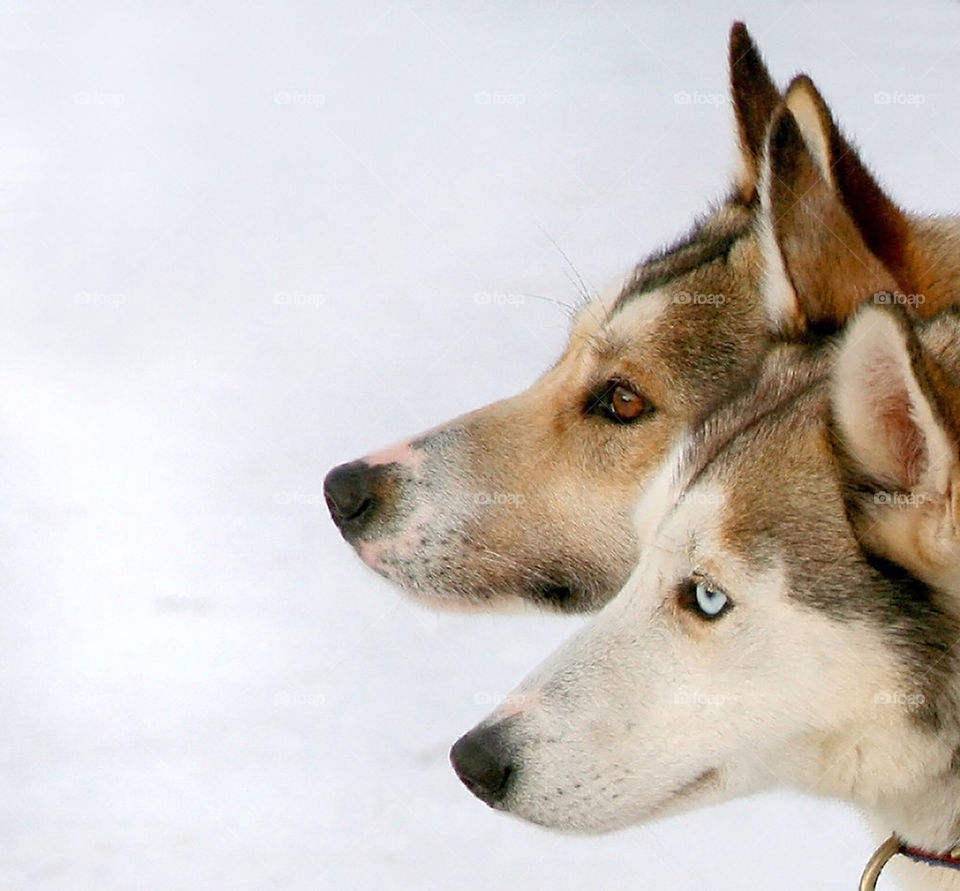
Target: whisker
point(569, 308)
point(581, 284)
point(496, 558)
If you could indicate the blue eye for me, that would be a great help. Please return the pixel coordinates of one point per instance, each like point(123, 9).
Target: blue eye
point(707, 601)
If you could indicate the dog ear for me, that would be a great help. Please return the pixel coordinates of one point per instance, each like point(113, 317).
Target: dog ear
point(886, 405)
point(884, 227)
point(896, 417)
point(755, 98)
point(817, 266)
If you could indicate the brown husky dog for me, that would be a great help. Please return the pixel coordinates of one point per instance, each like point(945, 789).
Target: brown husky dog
point(529, 500)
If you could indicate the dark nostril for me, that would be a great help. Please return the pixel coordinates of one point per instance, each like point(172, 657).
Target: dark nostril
point(480, 760)
point(348, 491)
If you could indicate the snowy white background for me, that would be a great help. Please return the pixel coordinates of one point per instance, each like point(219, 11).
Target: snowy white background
point(212, 295)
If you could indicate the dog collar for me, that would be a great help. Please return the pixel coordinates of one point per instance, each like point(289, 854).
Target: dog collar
point(895, 845)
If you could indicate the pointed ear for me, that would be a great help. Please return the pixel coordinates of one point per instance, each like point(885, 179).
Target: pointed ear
point(895, 415)
point(887, 408)
point(883, 226)
point(817, 267)
point(755, 99)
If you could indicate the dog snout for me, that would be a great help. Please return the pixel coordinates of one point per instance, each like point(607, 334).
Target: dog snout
point(349, 493)
point(482, 761)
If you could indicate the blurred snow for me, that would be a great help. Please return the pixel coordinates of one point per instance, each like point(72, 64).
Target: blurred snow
point(243, 242)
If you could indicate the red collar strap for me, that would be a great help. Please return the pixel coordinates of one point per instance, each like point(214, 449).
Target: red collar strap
point(893, 846)
point(949, 858)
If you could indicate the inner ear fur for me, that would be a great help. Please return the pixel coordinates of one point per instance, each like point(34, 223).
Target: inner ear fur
point(893, 405)
point(885, 228)
point(818, 267)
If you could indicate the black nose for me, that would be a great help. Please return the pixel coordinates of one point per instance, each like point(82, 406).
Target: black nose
point(481, 761)
point(348, 490)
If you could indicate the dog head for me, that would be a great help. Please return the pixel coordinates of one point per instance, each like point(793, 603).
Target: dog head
point(757, 642)
point(530, 496)
point(528, 500)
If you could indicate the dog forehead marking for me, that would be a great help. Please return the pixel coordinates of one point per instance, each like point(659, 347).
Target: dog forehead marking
point(592, 316)
point(637, 317)
point(607, 332)
point(711, 240)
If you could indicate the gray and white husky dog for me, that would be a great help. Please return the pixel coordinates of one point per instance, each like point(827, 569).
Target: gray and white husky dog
point(528, 500)
point(794, 617)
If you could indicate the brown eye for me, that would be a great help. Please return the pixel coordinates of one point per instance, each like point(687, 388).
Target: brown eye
point(625, 404)
point(617, 402)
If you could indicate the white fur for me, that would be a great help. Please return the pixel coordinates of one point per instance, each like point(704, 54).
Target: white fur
point(873, 366)
point(642, 315)
point(645, 699)
point(616, 725)
point(804, 109)
point(660, 495)
point(779, 296)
